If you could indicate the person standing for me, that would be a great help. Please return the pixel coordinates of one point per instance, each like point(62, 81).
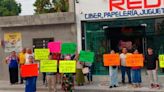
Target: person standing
point(51, 79)
point(113, 73)
point(152, 68)
point(30, 81)
point(136, 73)
point(22, 59)
point(12, 60)
point(79, 74)
point(125, 69)
point(67, 80)
point(89, 74)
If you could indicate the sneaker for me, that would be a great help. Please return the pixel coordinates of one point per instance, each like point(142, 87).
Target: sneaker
point(152, 85)
point(158, 86)
point(110, 86)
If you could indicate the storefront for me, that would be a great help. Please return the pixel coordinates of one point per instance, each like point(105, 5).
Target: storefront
point(103, 25)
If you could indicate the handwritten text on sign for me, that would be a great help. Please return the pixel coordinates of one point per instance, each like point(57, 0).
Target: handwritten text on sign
point(54, 47)
point(86, 56)
point(41, 54)
point(111, 59)
point(67, 66)
point(48, 66)
point(161, 61)
point(134, 60)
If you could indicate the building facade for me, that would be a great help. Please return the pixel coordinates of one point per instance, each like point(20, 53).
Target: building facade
point(103, 25)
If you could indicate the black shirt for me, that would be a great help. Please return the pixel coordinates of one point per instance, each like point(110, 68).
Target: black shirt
point(151, 61)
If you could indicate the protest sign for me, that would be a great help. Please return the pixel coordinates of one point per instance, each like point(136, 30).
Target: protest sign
point(134, 60)
point(69, 48)
point(41, 54)
point(161, 61)
point(48, 66)
point(54, 47)
point(29, 70)
point(86, 56)
point(67, 66)
point(111, 59)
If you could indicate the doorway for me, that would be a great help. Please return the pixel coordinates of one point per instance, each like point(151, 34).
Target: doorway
point(126, 37)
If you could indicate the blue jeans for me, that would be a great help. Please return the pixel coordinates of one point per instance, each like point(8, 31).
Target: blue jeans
point(89, 75)
point(127, 70)
point(31, 84)
point(113, 73)
point(136, 76)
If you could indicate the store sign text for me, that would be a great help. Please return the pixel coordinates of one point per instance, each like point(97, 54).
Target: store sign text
point(129, 8)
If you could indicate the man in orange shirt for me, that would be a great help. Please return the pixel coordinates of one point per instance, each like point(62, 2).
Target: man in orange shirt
point(21, 57)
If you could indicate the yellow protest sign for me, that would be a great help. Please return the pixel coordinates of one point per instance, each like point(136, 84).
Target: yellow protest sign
point(67, 66)
point(161, 61)
point(48, 66)
point(41, 54)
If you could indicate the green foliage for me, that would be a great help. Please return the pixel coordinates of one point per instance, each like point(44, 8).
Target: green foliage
point(9, 8)
point(46, 6)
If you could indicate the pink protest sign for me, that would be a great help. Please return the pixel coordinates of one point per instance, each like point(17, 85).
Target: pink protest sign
point(55, 47)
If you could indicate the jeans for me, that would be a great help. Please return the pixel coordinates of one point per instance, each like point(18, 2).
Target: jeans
point(153, 78)
point(127, 70)
point(136, 76)
point(89, 75)
point(113, 73)
point(30, 84)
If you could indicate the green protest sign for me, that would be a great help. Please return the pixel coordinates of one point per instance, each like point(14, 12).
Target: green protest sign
point(68, 48)
point(41, 54)
point(67, 66)
point(48, 66)
point(86, 56)
point(161, 61)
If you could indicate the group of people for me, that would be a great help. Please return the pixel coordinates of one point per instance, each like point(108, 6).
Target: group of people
point(67, 80)
point(134, 73)
point(50, 79)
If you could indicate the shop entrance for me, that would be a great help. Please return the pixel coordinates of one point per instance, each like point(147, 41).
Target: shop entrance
point(126, 37)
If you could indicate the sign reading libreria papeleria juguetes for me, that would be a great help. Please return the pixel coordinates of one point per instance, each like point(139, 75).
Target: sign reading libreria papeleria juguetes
point(105, 9)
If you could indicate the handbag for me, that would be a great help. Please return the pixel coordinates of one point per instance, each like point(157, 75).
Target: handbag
point(85, 70)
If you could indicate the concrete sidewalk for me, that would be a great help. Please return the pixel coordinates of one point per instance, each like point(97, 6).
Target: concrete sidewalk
point(94, 87)
point(101, 83)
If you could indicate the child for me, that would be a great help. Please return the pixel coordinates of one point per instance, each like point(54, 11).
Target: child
point(113, 73)
point(51, 79)
point(136, 74)
point(30, 81)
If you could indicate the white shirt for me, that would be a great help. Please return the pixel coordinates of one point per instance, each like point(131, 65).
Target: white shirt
point(27, 58)
point(123, 59)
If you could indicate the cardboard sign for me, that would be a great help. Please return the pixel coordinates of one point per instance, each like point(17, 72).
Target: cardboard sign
point(111, 59)
point(161, 61)
point(134, 60)
point(86, 56)
point(29, 70)
point(41, 54)
point(68, 48)
point(48, 66)
point(67, 66)
point(54, 47)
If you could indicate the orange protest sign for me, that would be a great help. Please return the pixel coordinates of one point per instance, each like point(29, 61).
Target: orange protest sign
point(29, 70)
point(111, 59)
point(134, 60)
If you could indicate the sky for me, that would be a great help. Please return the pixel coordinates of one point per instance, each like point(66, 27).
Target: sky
point(27, 7)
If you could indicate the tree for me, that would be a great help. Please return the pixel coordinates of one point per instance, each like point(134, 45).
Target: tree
point(43, 6)
point(9, 8)
point(46, 6)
